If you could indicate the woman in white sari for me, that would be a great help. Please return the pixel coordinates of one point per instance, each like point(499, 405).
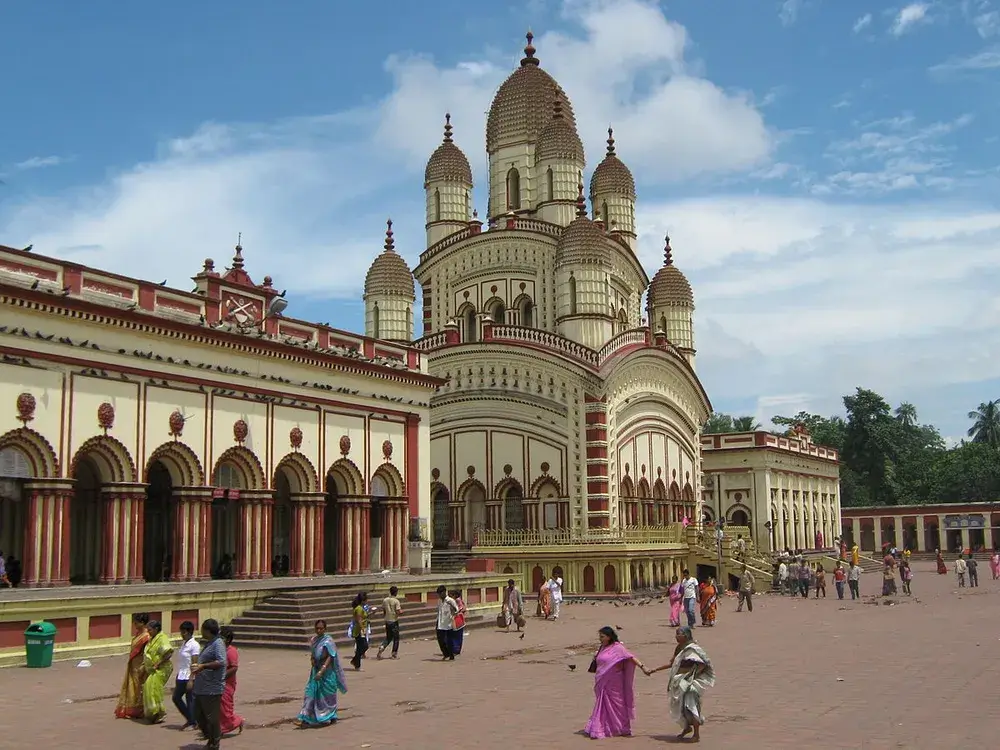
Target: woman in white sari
point(691, 673)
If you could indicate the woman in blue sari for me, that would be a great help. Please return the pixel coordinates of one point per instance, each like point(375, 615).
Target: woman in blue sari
point(326, 679)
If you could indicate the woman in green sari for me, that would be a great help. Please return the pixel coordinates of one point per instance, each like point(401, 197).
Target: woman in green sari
point(156, 664)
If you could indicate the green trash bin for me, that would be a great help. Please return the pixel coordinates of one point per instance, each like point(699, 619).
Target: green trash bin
point(39, 643)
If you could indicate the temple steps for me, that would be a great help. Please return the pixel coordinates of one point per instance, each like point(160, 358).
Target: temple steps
point(449, 561)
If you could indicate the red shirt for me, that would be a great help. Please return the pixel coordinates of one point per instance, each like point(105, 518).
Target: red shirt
point(839, 574)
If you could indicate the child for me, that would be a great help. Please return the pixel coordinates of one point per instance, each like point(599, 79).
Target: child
point(820, 580)
point(907, 577)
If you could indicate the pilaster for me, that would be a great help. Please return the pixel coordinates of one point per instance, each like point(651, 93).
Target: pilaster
point(192, 534)
point(123, 508)
point(46, 543)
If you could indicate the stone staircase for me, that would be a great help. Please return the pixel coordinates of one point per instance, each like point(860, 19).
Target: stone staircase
point(449, 560)
point(286, 619)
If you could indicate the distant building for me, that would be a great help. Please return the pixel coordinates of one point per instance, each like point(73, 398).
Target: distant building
point(924, 528)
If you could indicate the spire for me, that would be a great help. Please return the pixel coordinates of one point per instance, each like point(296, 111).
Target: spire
point(238, 257)
point(581, 204)
point(611, 141)
point(529, 51)
point(447, 127)
point(390, 245)
point(668, 253)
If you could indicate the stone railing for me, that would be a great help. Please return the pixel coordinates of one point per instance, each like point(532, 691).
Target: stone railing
point(431, 341)
point(672, 534)
point(546, 340)
point(624, 339)
point(475, 229)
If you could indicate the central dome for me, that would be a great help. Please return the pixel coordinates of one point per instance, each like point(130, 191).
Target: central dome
point(523, 104)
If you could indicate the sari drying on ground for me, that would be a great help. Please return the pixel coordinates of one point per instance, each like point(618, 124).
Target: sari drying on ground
point(320, 704)
point(130, 698)
point(228, 719)
point(156, 679)
point(709, 604)
point(614, 698)
point(676, 602)
point(690, 675)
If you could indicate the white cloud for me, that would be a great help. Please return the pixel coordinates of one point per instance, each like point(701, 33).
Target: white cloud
point(38, 162)
point(987, 24)
point(988, 59)
point(908, 17)
point(862, 23)
point(789, 12)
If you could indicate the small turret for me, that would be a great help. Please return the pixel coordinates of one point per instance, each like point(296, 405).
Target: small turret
point(389, 294)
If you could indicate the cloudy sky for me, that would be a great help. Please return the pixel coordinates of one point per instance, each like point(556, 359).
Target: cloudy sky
point(829, 176)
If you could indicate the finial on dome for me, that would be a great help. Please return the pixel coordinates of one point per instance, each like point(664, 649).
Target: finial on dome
point(581, 204)
point(238, 256)
point(668, 253)
point(529, 51)
point(389, 242)
point(447, 127)
point(611, 141)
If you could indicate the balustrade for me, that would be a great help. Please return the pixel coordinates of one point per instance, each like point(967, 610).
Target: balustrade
point(671, 534)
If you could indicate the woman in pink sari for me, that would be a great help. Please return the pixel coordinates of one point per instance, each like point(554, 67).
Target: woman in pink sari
point(614, 698)
point(228, 719)
point(676, 592)
point(995, 564)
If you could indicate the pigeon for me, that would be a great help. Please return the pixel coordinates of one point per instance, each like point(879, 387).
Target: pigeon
point(27, 249)
point(572, 667)
point(619, 627)
point(163, 283)
point(35, 285)
point(522, 636)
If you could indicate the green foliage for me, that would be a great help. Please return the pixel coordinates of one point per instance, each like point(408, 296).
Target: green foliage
point(719, 423)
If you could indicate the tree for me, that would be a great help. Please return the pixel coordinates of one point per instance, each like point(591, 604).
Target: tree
point(717, 423)
point(870, 445)
point(745, 424)
point(986, 424)
point(906, 413)
point(825, 431)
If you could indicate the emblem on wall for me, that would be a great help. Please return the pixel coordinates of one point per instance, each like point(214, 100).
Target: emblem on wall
point(295, 438)
point(435, 474)
point(345, 445)
point(240, 431)
point(545, 467)
point(243, 312)
point(106, 416)
point(26, 408)
point(387, 450)
point(176, 424)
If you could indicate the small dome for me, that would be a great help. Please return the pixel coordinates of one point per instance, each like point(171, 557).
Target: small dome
point(448, 162)
point(611, 175)
point(583, 241)
point(559, 139)
point(388, 273)
point(523, 104)
point(670, 287)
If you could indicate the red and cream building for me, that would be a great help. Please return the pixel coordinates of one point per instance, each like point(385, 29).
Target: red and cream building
point(949, 527)
point(147, 433)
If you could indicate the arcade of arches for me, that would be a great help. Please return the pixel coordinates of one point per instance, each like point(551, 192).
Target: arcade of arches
point(107, 522)
point(639, 505)
point(607, 576)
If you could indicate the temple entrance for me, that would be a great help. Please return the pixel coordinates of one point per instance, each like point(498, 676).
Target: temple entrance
point(228, 481)
point(281, 525)
point(739, 518)
point(87, 524)
point(158, 524)
point(331, 526)
point(15, 470)
point(379, 490)
point(442, 518)
point(513, 508)
point(475, 510)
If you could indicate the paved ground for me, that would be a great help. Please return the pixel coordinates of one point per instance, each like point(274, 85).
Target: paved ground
point(920, 674)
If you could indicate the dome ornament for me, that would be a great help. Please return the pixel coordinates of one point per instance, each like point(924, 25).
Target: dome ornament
point(611, 141)
point(447, 128)
point(581, 204)
point(390, 243)
point(668, 253)
point(529, 51)
point(238, 257)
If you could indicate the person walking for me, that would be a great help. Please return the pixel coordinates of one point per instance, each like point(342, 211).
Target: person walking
point(556, 588)
point(513, 606)
point(210, 683)
point(446, 611)
point(820, 580)
point(746, 590)
point(960, 570)
point(690, 586)
point(805, 576)
point(839, 578)
point(391, 609)
point(359, 629)
point(186, 654)
point(854, 581)
point(973, 567)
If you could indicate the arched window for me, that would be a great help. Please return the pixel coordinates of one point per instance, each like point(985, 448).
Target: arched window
point(527, 311)
point(513, 189)
point(663, 323)
point(228, 476)
point(572, 295)
point(498, 312)
point(605, 215)
point(550, 181)
point(409, 321)
point(468, 205)
point(375, 321)
point(469, 324)
point(622, 321)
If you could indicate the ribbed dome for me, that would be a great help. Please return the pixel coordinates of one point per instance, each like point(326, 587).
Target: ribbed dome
point(583, 241)
point(670, 287)
point(611, 175)
point(388, 273)
point(523, 104)
point(448, 162)
point(559, 139)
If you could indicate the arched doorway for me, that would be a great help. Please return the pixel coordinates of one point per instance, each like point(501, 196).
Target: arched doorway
point(739, 517)
point(474, 497)
point(379, 491)
point(442, 517)
point(225, 519)
point(513, 508)
point(158, 524)
point(331, 525)
point(281, 524)
point(87, 524)
point(15, 470)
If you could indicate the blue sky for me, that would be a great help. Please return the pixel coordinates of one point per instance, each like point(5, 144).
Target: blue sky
point(828, 170)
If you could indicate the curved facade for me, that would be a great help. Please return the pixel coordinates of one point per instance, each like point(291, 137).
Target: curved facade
point(564, 409)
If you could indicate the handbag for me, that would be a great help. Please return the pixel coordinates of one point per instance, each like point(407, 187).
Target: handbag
point(593, 662)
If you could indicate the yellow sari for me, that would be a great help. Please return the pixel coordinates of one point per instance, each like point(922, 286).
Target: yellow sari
point(156, 679)
point(130, 698)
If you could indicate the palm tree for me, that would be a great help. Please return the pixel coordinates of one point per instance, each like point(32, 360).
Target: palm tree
point(986, 423)
point(745, 424)
point(906, 413)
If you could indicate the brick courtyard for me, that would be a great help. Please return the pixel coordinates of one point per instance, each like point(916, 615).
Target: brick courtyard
point(795, 673)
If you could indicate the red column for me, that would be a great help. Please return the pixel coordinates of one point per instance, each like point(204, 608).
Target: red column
point(62, 529)
point(343, 563)
point(320, 536)
point(109, 537)
point(204, 537)
point(364, 527)
point(242, 539)
point(136, 574)
point(412, 446)
point(46, 543)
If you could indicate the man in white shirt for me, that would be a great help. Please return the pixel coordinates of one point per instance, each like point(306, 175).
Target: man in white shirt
point(853, 581)
point(782, 577)
point(690, 586)
point(187, 653)
point(447, 609)
point(556, 590)
point(960, 569)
